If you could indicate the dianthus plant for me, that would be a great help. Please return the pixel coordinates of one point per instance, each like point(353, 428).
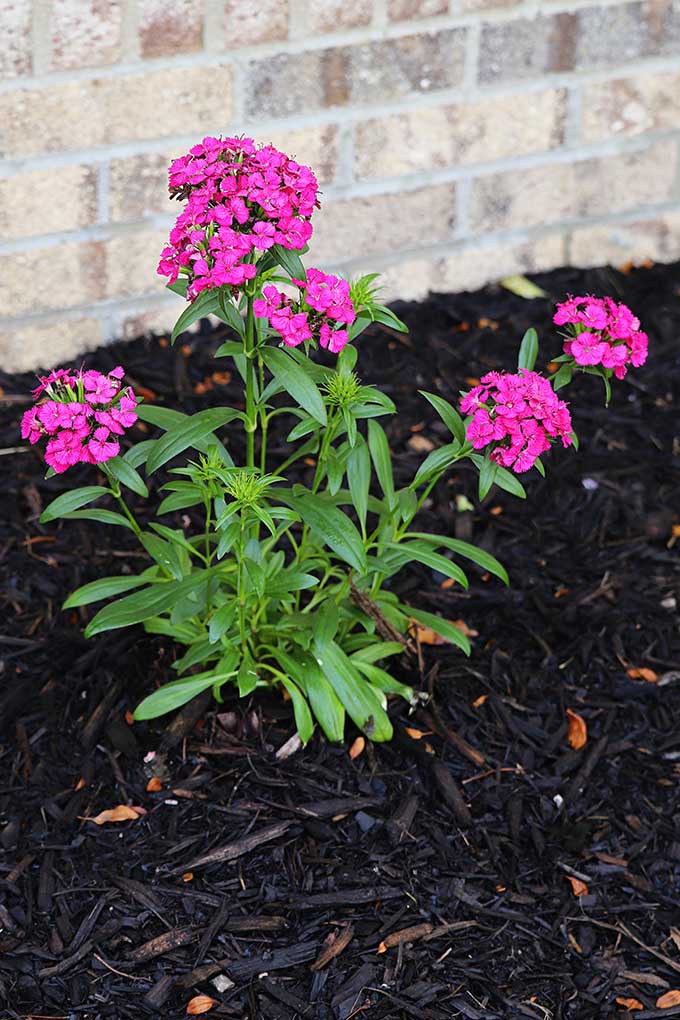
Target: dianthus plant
point(283, 583)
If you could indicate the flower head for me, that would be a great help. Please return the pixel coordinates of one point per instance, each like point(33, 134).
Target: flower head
point(602, 332)
point(517, 416)
point(81, 414)
point(323, 304)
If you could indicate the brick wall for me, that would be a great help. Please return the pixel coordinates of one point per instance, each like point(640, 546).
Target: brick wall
point(456, 141)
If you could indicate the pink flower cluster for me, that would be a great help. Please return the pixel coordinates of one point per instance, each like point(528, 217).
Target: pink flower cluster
point(241, 201)
point(519, 414)
point(82, 413)
point(602, 332)
point(323, 303)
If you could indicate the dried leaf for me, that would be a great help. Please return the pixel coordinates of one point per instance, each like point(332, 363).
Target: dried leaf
point(629, 1004)
point(523, 287)
point(335, 945)
point(416, 931)
point(80, 784)
point(643, 673)
point(668, 999)
point(199, 1004)
point(154, 785)
point(578, 731)
point(464, 629)
point(121, 813)
point(129, 718)
point(425, 635)
point(188, 876)
point(478, 702)
point(578, 887)
point(415, 734)
point(356, 748)
point(420, 444)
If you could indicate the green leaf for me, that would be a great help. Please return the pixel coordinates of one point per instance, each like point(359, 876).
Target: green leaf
point(178, 692)
point(179, 501)
point(72, 500)
point(448, 415)
point(138, 453)
point(441, 627)
point(163, 553)
point(436, 461)
point(124, 472)
point(562, 377)
point(359, 479)
point(228, 313)
point(380, 455)
point(528, 350)
point(503, 478)
point(189, 433)
point(487, 474)
point(231, 348)
point(222, 620)
point(143, 605)
point(415, 551)
point(288, 260)
point(326, 705)
point(385, 315)
point(247, 675)
point(303, 717)
point(361, 702)
point(408, 504)
point(523, 287)
point(166, 418)
point(100, 516)
point(384, 682)
point(102, 589)
point(376, 652)
point(483, 559)
point(330, 524)
point(296, 381)
point(206, 303)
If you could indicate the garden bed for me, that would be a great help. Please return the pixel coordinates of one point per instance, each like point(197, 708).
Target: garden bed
point(533, 879)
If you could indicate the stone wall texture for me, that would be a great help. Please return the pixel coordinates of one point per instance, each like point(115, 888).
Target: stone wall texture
point(457, 141)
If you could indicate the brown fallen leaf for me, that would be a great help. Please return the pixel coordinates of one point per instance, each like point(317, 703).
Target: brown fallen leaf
point(629, 1004)
point(420, 444)
point(578, 887)
point(668, 999)
point(356, 748)
point(336, 945)
point(478, 702)
point(80, 785)
point(578, 731)
point(121, 813)
point(412, 934)
point(154, 785)
point(415, 734)
point(199, 1004)
point(642, 673)
point(188, 876)
point(464, 629)
point(425, 635)
point(129, 718)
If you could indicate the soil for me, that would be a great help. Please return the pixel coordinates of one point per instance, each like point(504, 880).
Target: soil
point(479, 866)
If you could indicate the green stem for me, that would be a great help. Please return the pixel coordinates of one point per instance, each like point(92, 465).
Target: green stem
point(264, 419)
point(251, 419)
point(240, 593)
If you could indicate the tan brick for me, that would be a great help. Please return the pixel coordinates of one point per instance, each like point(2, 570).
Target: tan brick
point(316, 147)
point(566, 191)
point(85, 33)
point(153, 320)
point(409, 280)
point(475, 6)
point(353, 228)
point(15, 51)
point(372, 72)
point(101, 111)
point(139, 187)
point(131, 262)
point(616, 244)
point(630, 106)
point(58, 276)
point(433, 139)
point(166, 28)
point(32, 346)
point(48, 201)
point(334, 15)
point(472, 266)
point(402, 10)
point(247, 22)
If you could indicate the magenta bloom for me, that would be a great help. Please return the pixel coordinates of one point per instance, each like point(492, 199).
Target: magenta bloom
point(515, 417)
point(81, 414)
point(241, 200)
point(602, 332)
point(323, 303)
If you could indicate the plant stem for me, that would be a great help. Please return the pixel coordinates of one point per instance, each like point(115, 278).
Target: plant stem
point(264, 419)
point(251, 419)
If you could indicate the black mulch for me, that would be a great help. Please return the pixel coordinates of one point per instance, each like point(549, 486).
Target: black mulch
point(533, 880)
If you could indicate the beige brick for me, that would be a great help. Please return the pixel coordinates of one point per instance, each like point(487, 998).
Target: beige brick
point(102, 111)
point(15, 51)
point(139, 187)
point(404, 281)
point(85, 33)
point(441, 137)
point(402, 10)
point(48, 201)
point(247, 22)
point(32, 346)
point(566, 191)
point(334, 15)
point(131, 262)
point(356, 227)
point(55, 277)
point(153, 320)
point(616, 244)
point(630, 106)
point(316, 147)
point(166, 28)
point(475, 6)
point(474, 265)
point(373, 72)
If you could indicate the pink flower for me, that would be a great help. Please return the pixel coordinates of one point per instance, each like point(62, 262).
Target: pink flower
point(323, 303)
point(515, 418)
point(101, 447)
point(602, 332)
point(587, 349)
